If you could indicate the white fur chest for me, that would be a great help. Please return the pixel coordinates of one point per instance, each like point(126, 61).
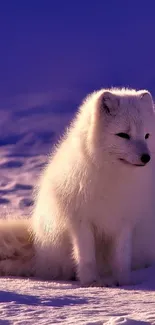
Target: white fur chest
point(115, 200)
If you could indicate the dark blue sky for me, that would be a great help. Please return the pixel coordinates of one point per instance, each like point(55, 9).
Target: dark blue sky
point(69, 44)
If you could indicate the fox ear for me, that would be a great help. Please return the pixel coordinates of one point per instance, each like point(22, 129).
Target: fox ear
point(109, 102)
point(145, 95)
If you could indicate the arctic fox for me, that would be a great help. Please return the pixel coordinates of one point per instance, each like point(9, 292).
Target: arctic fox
point(94, 216)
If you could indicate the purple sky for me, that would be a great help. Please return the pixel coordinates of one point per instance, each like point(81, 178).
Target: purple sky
point(75, 45)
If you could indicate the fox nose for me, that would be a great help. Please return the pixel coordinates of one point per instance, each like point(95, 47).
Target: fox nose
point(145, 158)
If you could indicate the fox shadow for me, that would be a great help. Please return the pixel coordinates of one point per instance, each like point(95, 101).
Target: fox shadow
point(59, 301)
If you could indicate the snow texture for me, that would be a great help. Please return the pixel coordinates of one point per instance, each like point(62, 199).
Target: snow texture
point(27, 301)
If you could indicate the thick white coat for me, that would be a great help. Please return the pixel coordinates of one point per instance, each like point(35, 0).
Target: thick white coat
point(94, 215)
point(92, 208)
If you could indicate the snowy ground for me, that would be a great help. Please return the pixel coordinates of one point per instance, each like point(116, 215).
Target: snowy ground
point(26, 301)
point(26, 136)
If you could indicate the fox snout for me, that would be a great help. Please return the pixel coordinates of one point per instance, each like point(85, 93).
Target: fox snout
point(138, 155)
point(143, 152)
point(145, 158)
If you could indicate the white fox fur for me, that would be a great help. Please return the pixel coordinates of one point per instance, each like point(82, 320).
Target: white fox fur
point(94, 210)
point(16, 247)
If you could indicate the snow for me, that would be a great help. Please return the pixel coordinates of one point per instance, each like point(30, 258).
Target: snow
point(27, 134)
point(28, 301)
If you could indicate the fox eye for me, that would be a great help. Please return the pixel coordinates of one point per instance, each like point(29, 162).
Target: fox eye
point(123, 135)
point(147, 135)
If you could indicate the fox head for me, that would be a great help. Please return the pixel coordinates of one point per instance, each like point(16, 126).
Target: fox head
point(123, 126)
